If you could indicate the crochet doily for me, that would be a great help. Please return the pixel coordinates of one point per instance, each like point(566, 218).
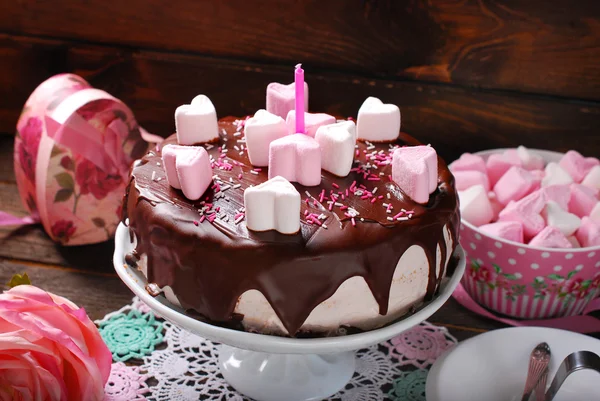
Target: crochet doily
point(166, 363)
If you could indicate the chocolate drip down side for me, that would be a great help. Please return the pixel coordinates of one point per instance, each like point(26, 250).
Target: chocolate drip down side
point(209, 265)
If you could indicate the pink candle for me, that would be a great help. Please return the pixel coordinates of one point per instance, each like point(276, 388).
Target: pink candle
point(299, 82)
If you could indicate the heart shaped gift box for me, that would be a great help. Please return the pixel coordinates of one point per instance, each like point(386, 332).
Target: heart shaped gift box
point(73, 150)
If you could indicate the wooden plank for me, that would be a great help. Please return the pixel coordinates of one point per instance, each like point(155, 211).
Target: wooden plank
point(30, 243)
point(454, 316)
point(534, 46)
point(6, 159)
point(99, 295)
point(453, 119)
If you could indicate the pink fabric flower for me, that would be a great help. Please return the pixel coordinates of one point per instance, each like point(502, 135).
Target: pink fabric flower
point(49, 349)
point(93, 180)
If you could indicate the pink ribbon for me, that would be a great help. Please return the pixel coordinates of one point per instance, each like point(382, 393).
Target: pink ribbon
point(83, 139)
point(580, 323)
point(150, 138)
point(7, 219)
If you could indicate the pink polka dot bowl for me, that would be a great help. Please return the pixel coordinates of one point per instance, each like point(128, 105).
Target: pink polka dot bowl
point(524, 281)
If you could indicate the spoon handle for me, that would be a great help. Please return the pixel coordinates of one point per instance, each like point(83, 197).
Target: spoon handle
point(576, 361)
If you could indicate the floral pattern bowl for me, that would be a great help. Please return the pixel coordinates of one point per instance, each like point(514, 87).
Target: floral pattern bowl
point(528, 282)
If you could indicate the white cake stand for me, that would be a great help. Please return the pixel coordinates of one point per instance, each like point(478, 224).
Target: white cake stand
point(271, 368)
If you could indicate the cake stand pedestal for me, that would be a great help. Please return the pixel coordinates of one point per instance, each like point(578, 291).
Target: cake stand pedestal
point(271, 368)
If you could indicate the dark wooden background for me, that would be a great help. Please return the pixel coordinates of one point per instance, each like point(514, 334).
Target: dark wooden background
point(467, 74)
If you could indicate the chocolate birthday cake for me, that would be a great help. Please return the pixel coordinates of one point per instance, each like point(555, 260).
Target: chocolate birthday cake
point(360, 252)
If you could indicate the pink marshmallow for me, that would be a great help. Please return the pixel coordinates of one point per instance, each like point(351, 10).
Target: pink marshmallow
point(312, 122)
point(508, 230)
point(561, 194)
point(466, 179)
point(529, 159)
point(551, 237)
point(475, 206)
point(414, 170)
point(527, 212)
point(296, 158)
point(514, 184)
point(468, 162)
point(574, 164)
point(590, 163)
point(282, 98)
point(194, 171)
point(573, 240)
point(592, 178)
point(583, 199)
point(512, 156)
point(589, 233)
point(595, 213)
point(538, 175)
point(496, 166)
point(169, 155)
point(536, 182)
point(496, 206)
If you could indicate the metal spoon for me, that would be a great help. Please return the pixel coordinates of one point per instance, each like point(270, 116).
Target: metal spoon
point(576, 361)
point(538, 367)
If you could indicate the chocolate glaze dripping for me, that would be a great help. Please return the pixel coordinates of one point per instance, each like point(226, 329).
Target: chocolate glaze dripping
point(209, 266)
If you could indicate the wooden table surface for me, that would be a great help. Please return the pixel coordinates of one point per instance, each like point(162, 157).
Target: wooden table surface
point(85, 274)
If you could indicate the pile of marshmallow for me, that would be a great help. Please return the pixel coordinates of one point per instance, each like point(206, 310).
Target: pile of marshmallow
point(272, 141)
point(514, 195)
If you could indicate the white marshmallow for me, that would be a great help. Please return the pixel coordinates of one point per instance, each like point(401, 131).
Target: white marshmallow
point(595, 213)
point(556, 217)
point(196, 122)
point(273, 205)
point(475, 207)
point(349, 125)
point(337, 143)
point(529, 159)
point(378, 122)
point(556, 175)
point(261, 130)
point(592, 179)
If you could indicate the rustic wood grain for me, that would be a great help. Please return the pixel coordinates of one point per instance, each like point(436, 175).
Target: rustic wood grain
point(453, 119)
point(6, 159)
point(30, 243)
point(97, 294)
point(537, 46)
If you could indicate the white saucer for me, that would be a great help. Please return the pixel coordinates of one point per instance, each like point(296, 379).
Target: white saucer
point(493, 366)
